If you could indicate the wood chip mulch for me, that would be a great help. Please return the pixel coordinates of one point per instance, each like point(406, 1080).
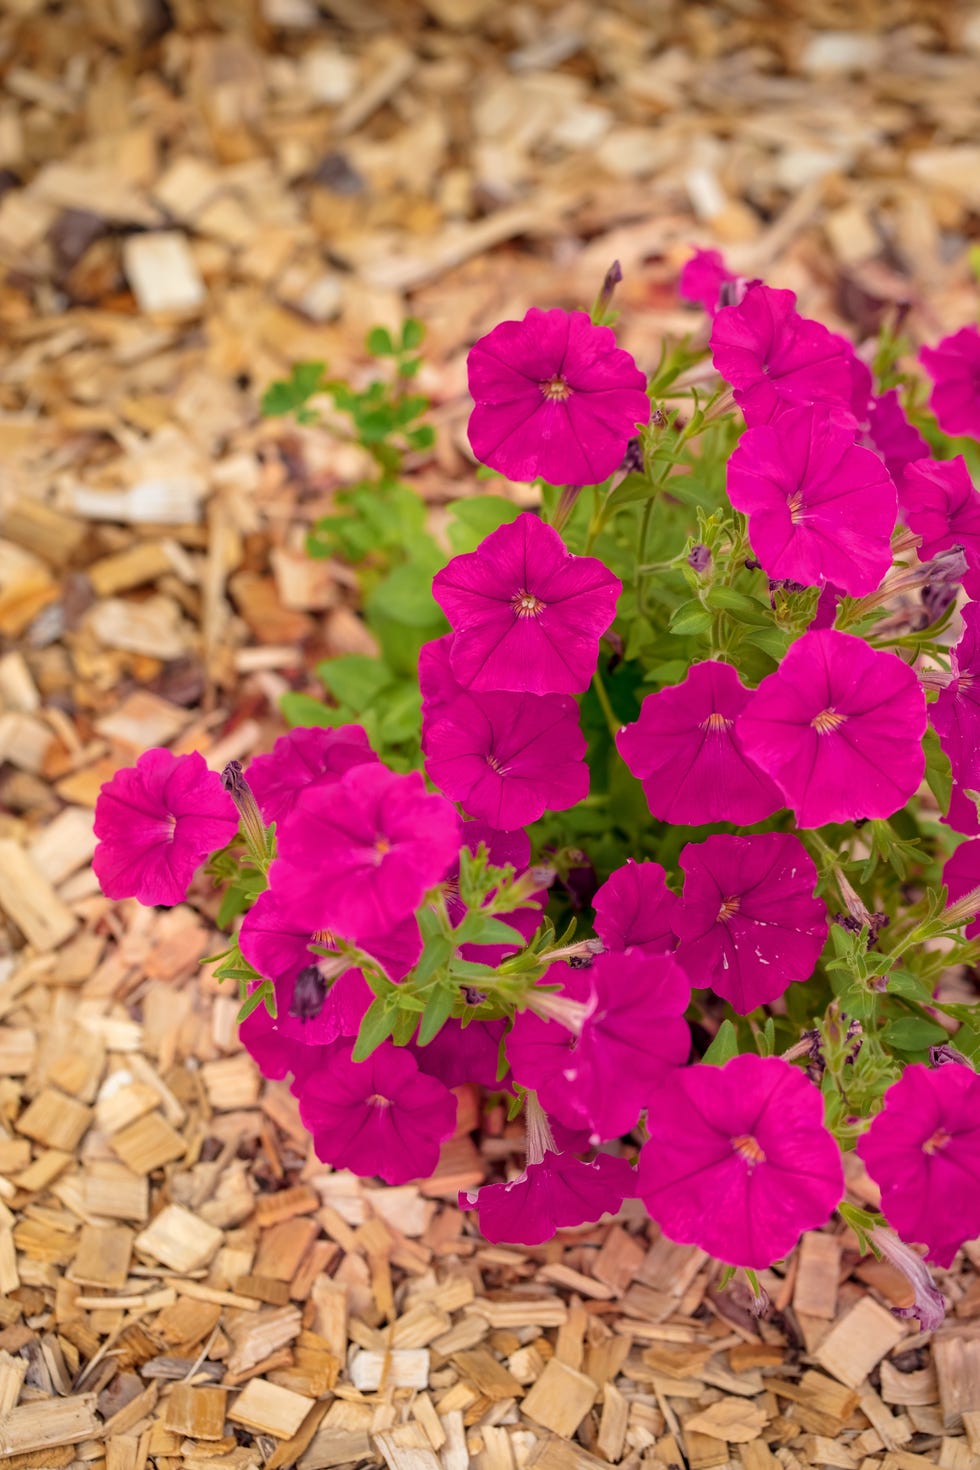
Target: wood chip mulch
point(194, 195)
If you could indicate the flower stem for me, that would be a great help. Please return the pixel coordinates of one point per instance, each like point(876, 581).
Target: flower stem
point(613, 724)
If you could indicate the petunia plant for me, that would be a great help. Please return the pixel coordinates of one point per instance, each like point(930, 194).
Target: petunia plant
point(683, 859)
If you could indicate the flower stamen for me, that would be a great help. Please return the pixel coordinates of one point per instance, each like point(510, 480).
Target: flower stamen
point(749, 1149)
point(937, 1142)
point(526, 605)
point(716, 721)
point(555, 388)
point(827, 721)
point(729, 908)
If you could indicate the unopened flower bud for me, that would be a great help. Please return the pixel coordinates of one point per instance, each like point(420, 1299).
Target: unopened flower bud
point(929, 1306)
point(699, 557)
point(309, 994)
point(947, 1056)
point(234, 782)
point(611, 280)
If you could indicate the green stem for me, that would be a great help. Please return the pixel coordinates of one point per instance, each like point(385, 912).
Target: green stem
point(613, 724)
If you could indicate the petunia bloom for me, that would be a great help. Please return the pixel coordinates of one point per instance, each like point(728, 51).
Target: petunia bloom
point(459, 1054)
point(276, 944)
point(706, 280)
point(961, 876)
point(928, 1306)
point(156, 823)
point(773, 357)
point(820, 508)
point(527, 614)
point(304, 758)
point(508, 758)
point(923, 1152)
point(748, 922)
point(554, 396)
point(956, 719)
point(686, 749)
point(738, 1159)
point(839, 728)
point(634, 909)
point(380, 1116)
point(437, 682)
point(632, 1033)
point(943, 507)
point(310, 1011)
point(357, 856)
point(954, 366)
point(892, 436)
point(558, 1193)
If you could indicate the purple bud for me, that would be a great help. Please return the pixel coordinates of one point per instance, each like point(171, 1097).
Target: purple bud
point(633, 458)
point(947, 1056)
point(699, 557)
point(309, 994)
point(929, 1307)
point(611, 280)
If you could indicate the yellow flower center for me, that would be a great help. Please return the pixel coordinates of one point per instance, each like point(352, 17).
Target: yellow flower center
point(555, 388)
point(526, 605)
point(827, 721)
point(749, 1148)
point(716, 721)
point(729, 908)
point(937, 1142)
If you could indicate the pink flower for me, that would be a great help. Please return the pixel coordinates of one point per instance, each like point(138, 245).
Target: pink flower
point(358, 855)
point(894, 438)
point(527, 614)
point(703, 279)
point(748, 922)
point(923, 1151)
point(437, 681)
point(686, 749)
point(381, 1116)
point(634, 1031)
point(827, 603)
point(772, 356)
point(275, 944)
point(820, 508)
point(738, 1160)
point(839, 728)
point(459, 1054)
point(961, 875)
point(304, 758)
point(274, 1053)
point(310, 1011)
point(954, 366)
point(634, 909)
point(554, 396)
point(942, 506)
point(558, 1193)
point(956, 719)
point(507, 758)
point(156, 822)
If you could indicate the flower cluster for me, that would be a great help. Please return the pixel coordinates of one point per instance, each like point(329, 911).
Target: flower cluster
point(666, 882)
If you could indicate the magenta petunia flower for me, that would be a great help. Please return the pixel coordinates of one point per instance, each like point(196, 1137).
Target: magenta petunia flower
point(380, 1116)
point(738, 1160)
point(357, 856)
point(772, 356)
point(276, 1054)
point(748, 922)
point(956, 713)
point(276, 945)
point(954, 366)
point(558, 1193)
point(460, 1054)
point(508, 758)
point(156, 823)
point(820, 508)
point(961, 875)
point(943, 507)
point(704, 278)
point(304, 758)
point(839, 728)
point(923, 1151)
point(686, 749)
point(311, 1011)
point(892, 436)
point(634, 909)
point(437, 682)
point(827, 604)
point(633, 1032)
point(554, 396)
point(527, 614)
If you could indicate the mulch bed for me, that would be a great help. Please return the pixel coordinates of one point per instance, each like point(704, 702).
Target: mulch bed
point(192, 197)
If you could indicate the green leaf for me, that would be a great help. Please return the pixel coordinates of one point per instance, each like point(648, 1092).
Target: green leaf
point(376, 1026)
point(743, 608)
point(437, 1013)
point(437, 952)
point(399, 714)
point(413, 334)
point(482, 929)
point(303, 709)
point(421, 438)
point(903, 982)
point(406, 596)
point(939, 772)
point(475, 518)
point(773, 641)
point(379, 342)
point(286, 395)
point(263, 994)
point(913, 1033)
point(354, 680)
point(690, 617)
point(724, 1046)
